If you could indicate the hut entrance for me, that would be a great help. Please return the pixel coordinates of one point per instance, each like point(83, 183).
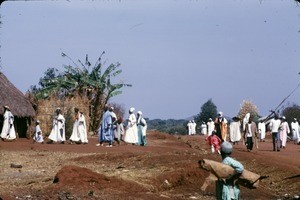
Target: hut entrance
point(21, 127)
point(20, 124)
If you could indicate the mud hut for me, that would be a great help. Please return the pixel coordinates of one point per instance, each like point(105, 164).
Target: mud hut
point(19, 105)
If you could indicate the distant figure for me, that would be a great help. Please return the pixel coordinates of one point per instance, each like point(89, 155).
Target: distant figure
point(249, 134)
point(79, 133)
point(221, 126)
point(245, 121)
point(193, 128)
point(214, 142)
point(142, 128)
point(131, 128)
point(8, 130)
point(295, 130)
point(262, 130)
point(274, 127)
point(57, 133)
point(119, 132)
point(189, 127)
point(284, 131)
point(228, 189)
point(203, 128)
point(38, 134)
point(235, 130)
point(106, 128)
point(210, 126)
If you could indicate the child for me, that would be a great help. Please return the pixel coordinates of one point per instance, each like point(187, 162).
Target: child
point(214, 142)
point(228, 189)
point(38, 137)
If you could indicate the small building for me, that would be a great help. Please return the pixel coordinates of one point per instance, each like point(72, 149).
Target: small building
point(19, 105)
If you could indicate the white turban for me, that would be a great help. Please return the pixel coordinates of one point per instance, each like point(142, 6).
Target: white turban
point(131, 109)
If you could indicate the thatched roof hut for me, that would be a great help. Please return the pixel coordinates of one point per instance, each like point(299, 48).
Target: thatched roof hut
point(19, 105)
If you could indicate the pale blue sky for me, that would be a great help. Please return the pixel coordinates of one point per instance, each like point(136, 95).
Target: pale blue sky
point(176, 53)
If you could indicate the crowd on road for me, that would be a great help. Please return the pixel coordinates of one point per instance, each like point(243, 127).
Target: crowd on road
point(111, 130)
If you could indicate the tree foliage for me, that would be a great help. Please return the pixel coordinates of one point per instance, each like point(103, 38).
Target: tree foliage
point(248, 107)
point(94, 83)
point(208, 110)
point(170, 126)
point(291, 111)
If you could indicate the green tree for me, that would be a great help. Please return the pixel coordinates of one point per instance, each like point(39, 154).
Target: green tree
point(290, 112)
point(208, 110)
point(95, 83)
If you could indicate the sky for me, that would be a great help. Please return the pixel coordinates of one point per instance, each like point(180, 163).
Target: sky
point(177, 54)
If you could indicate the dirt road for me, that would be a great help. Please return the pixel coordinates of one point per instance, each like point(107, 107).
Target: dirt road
point(165, 169)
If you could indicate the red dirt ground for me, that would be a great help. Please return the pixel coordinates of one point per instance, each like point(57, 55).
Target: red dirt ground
point(165, 169)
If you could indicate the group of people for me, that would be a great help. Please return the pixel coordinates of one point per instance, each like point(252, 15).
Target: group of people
point(250, 132)
point(191, 126)
point(112, 128)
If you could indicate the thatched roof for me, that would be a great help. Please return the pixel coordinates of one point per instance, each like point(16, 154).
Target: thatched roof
point(14, 98)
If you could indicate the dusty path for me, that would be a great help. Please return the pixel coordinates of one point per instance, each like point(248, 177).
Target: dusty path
point(166, 169)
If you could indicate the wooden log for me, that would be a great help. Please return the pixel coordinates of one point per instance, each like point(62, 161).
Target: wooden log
point(221, 171)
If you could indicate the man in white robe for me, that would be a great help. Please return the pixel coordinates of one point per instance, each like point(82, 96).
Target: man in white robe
point(235, 130)
point(38, 134)
point(79, 133)
point(296, 131)
point(131, 135)
point(189, 127)
point(262, 130)
point(210, 126)
point(8, 130)
point(203, 128)
point(193, 127)
point(58, 130)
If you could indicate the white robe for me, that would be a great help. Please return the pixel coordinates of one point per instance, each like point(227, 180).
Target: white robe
point(203, 129)
point(296, 132)
point(82, 129)
point(57, 133)
point(235, 131)
point(189, 126)
point(246, 120)
point(8, 130)
point(262, 130)
point(79, 132)
point(131, 135)
point(210, 127)
point(193, 128)
point(38, 137)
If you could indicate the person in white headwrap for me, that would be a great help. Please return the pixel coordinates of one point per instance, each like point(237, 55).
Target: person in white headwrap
point(262, 130)
point(142, 128)
point(38, 134)
point(190, 127)
point(107, 126)
point(235, 130)
point(210, 126)
point(284, 131)
point(131, 128)
point(194, 125)
point(203, 128)
point(79, 132)
point(296, 131)
point(8, 130)
point(221, 126)
point(57, 133)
